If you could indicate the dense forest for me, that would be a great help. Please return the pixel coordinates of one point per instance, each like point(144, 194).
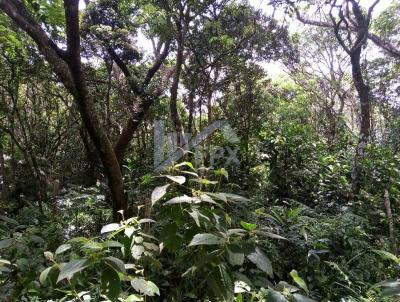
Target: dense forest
point(200, 150)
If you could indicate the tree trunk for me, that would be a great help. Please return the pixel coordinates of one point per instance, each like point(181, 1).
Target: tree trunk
point(174, 90)
point(103, 146)
point(365, 125)
point(389, 215)
point(191, 111)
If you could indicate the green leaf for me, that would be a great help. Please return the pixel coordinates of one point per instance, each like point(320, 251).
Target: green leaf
point(62, 248)
point(206, 239)
point(37, 239)
point(387, 255)
point(9, 220)
point(71, 268)
point(221, 283)
point(133, 298)
point(248, 226)
point(151, 246)
point(110, 228)
point(180, 199)
point(185, 163)
point(144, 287)
point(222, 172)
point(95, 246)
point(78, 240)
point(235, 258)
point(235, 197)
point(44, 274)
point(261, 261)
point(300, 282)
point(178, 179)
point(5, 243)
point(116, 264)
point(110, 284)
point(274, 296)
point(301, 298)
point(269, 234)
point(220, 196)
point(111, 243)
point(158, 193)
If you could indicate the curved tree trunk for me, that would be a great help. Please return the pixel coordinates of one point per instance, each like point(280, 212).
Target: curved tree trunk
point(67, 66)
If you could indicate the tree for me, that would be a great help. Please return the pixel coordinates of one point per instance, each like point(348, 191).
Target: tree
point(351, 28)
point(67, 64)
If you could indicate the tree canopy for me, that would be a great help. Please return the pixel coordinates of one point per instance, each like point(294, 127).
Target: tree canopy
point(181, 150)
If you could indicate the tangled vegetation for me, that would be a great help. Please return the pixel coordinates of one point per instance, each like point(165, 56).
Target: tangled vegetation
point(181, 150)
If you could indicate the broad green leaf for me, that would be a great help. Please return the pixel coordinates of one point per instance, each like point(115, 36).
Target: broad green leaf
point(387, 255)
point(71, 268)
point(206, 198)
point(220, 196)
point(129, 231)
point(133, 298)
point(261, 261)
point(269, 234)
point(274, 296)
point(180, 199)
point(78, 240)
point(5, 243)
point(158, 193)
point(95, 246)
point(110, 228)
point(44, 274)
point(301, 298)
point(62, 248)
point(221, 283)
point(206, 239)
point(110, 284)
point(222, 172)
point(185, 163)
point(195, 215)
point(235, 258)
point(116, 264)
point(236, 232)
point(37, 239)
point(151, 246)
point(144, 287)
point(111, 243)
point(236, 197)
point(178, 179)
point(300, 282)
point(248, 226)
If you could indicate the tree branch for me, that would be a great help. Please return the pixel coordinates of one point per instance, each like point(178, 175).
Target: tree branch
point(385, 45)
point(17, 12)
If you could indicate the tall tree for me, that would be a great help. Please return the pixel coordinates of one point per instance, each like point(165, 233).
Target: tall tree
point(67, 64)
